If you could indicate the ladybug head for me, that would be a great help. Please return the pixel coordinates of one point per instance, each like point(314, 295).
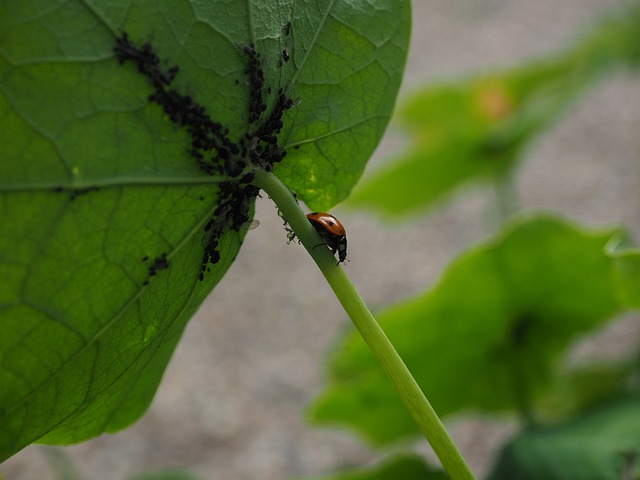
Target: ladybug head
point(342, 249)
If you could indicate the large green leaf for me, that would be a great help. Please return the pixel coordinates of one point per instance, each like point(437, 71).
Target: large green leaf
point(487, 336)
point(401, 467)
point(601, 445)
point(476, 129)
point(98, 188)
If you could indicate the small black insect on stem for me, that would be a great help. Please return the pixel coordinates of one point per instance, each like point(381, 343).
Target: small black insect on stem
point(211, 147)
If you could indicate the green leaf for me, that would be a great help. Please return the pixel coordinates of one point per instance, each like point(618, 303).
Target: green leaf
point(401, 467)
point(477, 129)
point(585, 386)
point(337, 51)
point(166, 475)
point(347, 65)
point(626, 273)
point(472, 130)
point(488, 336)
point(83, 341)
point(601, 445)
point(97, 182)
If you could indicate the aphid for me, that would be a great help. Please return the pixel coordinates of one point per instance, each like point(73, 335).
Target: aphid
point(331, 231)
point(254, 224)
point(159, 263)
point(82, 191)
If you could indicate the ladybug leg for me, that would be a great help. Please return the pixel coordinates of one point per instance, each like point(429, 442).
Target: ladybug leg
point(333, 250)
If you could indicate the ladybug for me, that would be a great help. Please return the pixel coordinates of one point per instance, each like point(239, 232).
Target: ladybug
point(331, 231)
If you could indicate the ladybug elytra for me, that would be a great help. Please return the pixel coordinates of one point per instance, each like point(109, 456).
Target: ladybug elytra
point(331, 231)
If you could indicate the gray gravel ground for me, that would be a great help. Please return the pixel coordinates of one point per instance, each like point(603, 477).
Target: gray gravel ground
point(231, 404)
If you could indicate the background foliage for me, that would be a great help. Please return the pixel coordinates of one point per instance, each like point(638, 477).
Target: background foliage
point(494, 333)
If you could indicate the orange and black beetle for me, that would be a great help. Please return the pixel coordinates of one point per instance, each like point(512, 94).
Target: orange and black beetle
point(331, 231)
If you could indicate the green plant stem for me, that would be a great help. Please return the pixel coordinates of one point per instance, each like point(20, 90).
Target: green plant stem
point(374, 336)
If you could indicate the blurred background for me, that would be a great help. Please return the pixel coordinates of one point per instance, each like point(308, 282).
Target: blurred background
point(232, 402)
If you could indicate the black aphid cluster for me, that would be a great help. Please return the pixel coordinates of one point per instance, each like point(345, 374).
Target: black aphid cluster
point(208, 138)
point(159, 263)
point(260, 143)
point(211, 147)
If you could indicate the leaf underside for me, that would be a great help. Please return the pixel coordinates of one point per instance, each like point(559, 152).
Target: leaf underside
point(102, 207)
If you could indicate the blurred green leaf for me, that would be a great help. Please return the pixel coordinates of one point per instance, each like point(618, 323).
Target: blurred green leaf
point(626, 262)
point(586, 386)
point(601, 445)
point(83, 341)
point(477, 129)
point(166, 475)
point(402, 467)
point(488, 336)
